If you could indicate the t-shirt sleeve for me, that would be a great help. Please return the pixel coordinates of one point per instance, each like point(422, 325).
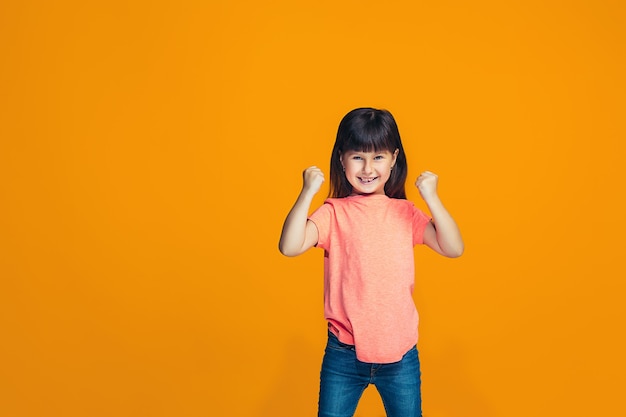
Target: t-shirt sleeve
point(420, 220)
point(321, 217)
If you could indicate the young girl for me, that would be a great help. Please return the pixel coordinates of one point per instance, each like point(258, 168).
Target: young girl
point(368, 229)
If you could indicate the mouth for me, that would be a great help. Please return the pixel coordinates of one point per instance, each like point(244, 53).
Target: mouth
point(367, 180)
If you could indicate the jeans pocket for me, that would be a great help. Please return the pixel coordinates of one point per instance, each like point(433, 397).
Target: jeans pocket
point(335, 344)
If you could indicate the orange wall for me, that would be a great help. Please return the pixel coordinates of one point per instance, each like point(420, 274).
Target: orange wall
point(149, 152)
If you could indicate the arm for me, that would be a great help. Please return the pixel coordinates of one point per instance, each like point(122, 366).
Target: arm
point(442, 234)
point(300, 234)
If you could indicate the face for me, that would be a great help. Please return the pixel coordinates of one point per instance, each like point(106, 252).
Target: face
point(368, 172)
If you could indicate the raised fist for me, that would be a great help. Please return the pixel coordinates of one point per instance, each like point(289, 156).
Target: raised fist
point(312, 178)
point(426, 183)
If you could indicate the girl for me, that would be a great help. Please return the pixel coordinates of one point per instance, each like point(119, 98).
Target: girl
point(368, 229)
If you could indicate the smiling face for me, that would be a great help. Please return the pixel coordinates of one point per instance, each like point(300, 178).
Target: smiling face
point(367, 172)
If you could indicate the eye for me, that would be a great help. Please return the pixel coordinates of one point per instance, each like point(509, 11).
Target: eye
point(356, 158)
point(379, 157)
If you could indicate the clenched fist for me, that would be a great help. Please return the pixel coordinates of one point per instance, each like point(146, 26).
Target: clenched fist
point(312, 179)
point(426, 183)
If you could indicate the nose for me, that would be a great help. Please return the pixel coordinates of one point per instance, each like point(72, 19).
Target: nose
point(367, 166)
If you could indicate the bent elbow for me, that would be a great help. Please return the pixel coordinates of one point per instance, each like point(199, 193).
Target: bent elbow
point(290, 253)
point(456, 252)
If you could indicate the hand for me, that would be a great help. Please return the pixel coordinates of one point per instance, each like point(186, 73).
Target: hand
point(312, 178)
point(426, 183)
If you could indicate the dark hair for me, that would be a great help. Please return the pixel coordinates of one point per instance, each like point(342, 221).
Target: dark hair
point(368, 130)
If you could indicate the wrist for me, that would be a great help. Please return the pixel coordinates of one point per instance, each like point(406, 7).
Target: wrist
point(433, 202)
point(307, 194)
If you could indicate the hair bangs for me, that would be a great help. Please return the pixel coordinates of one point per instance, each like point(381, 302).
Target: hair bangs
point(371, 140)
point(369, 133)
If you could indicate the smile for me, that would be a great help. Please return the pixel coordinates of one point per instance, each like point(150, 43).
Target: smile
point(367, 180)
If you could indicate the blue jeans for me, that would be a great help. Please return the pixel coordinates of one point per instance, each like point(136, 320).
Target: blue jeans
point(344, 378)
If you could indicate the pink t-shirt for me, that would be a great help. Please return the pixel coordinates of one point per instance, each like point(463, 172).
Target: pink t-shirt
point(369, 272)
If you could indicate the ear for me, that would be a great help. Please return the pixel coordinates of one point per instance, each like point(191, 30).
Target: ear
point(395, 156)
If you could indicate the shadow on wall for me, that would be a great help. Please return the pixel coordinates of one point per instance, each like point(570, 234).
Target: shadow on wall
point(449, 391)
point(296, 389)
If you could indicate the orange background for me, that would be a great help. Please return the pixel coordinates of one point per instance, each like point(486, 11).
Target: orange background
point(149, 152)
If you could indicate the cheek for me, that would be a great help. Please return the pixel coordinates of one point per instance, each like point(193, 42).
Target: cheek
point(350, 167)
point(388, 173)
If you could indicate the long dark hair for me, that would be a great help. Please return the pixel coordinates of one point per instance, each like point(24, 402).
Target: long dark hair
point(368, 130)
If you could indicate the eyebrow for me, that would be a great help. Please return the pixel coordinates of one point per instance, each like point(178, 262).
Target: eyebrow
point(380, 152)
